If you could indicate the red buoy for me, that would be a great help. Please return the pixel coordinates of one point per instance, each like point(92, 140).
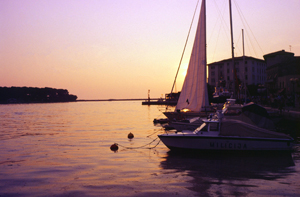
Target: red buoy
point(130, 135)
point(114, 147)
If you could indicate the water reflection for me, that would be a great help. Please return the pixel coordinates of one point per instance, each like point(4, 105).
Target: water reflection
point(228, 174)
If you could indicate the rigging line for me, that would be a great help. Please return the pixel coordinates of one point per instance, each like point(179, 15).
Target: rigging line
point(141, 146)
point(221, 17)
point(216, 45)
point(185, 46)
point(213, 29)
point(249, 48)
point(239, 10)
point(243, 21)
point(223, 26)
point(250, 41)
point(237, 44)
point(154, 133)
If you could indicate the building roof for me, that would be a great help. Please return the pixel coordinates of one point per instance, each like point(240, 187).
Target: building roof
point(282, 52)
point(237, 58)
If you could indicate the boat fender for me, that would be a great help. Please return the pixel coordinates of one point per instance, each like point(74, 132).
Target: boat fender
point(130, 135)
point(114, 147)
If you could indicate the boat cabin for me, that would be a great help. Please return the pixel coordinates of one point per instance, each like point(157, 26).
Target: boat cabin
point(209, 127)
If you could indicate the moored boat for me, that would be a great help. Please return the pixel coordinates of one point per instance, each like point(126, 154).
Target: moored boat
point(224, 134)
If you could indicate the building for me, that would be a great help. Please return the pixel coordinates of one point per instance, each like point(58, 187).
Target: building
point(283, 72)
point(249, 71)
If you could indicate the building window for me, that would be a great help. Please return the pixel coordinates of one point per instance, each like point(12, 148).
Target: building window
point(246, 77)
point(213, 80)
point(212, 67)
point(253, 69)
point(246, 69)
point(228, 78)
point(227, 70)
point(245, 62)
point(212, 73)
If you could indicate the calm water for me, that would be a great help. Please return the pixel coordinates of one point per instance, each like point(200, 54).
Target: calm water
point(64, 150)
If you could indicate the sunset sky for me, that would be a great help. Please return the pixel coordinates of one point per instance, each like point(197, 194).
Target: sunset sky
point(102, 49)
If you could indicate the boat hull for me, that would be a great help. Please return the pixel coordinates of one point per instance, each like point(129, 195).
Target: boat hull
point(186, 115)
point(180, 126)
point(222, 143)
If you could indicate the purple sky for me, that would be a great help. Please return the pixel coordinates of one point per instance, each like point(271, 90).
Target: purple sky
point(100, 49)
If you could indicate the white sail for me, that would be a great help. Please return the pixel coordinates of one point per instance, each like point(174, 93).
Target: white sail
point(194, 94)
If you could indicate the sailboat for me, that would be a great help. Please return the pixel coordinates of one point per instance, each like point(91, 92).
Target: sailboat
point(193, 100)
point(216, 133)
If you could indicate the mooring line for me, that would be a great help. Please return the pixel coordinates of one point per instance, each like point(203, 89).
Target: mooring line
point(141, 146)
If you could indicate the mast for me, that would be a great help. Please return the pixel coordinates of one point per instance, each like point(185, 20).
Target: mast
point(243, 44)
point(232, 50)
point(205, 74)
point(245, 85)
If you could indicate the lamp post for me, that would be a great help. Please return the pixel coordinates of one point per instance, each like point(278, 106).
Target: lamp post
point(294, 81)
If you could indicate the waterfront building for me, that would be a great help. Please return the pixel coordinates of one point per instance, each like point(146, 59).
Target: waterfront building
point(249, 70)
point(283, 72)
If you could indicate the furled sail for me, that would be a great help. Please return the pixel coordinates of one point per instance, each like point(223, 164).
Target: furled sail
point(194, 94)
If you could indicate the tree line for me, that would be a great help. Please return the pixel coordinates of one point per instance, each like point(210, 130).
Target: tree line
point(34, 95)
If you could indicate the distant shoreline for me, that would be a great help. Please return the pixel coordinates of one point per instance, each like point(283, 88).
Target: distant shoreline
point(138, 99)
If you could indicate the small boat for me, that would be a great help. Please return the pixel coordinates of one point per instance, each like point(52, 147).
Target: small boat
point(186, 124)
point(227, 134)
point(193, 100)
point(221, 94)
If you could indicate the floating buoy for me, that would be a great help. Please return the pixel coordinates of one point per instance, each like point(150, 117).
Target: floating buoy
point(130, 135)
point(114, 147)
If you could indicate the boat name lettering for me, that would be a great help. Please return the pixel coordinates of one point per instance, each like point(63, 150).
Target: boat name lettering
point(228, 145)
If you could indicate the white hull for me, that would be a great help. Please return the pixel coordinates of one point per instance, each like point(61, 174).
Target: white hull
point(186, 115)
point(196, 142)
point(184, 126)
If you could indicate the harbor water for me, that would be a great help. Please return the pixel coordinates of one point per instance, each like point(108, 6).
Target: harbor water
point(63, 149)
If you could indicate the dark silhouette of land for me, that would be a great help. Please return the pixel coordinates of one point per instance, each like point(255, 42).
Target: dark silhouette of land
point(34, 95)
